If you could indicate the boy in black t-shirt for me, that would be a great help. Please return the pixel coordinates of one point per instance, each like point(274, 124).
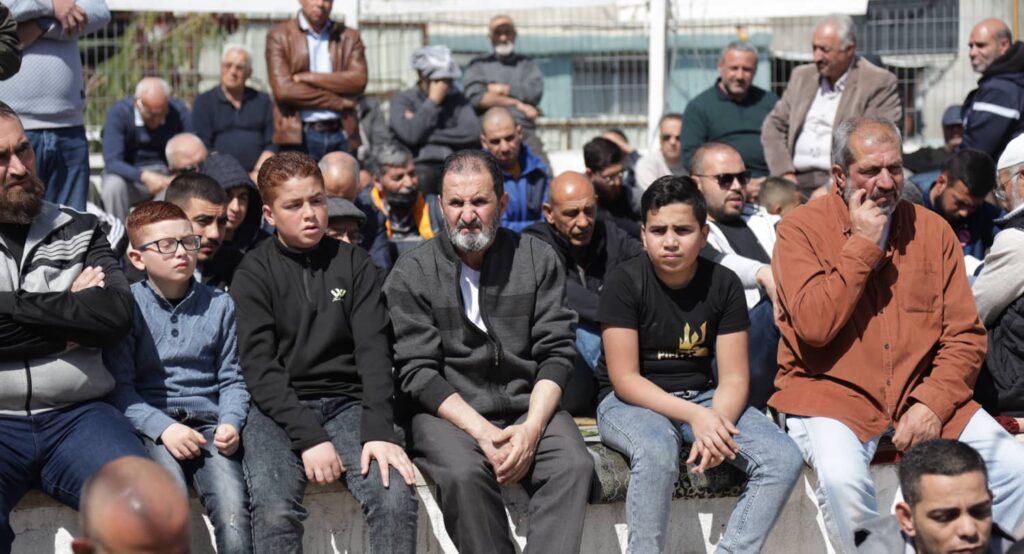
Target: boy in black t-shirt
point(664, 317)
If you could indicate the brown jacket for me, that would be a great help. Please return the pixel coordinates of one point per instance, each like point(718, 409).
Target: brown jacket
point(861, 343)
point(870, 91)
point(288, 54)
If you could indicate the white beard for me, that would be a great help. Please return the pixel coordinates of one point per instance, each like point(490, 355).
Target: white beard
point(505, 50)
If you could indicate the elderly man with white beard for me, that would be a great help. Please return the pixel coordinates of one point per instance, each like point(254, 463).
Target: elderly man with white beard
point(484, 345)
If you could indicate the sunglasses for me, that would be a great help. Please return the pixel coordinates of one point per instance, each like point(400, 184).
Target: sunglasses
point(666, 138)
point(725, 179)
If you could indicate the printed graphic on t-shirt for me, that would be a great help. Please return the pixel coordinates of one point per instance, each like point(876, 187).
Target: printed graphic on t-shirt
point(691, 345)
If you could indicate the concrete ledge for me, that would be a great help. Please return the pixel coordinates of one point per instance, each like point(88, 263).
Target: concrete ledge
point(336, 524)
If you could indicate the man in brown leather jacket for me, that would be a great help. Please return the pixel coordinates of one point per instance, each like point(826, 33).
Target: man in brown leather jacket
point(317, 70)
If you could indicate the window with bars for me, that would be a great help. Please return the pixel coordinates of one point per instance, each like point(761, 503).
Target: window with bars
point(900, 27)
point(609, 85)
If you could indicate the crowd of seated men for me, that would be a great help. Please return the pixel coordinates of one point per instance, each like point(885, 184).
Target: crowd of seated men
point(300, 296)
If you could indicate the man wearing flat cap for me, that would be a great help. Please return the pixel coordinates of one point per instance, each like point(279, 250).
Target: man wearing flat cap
point(434, 118)
point(344, 220)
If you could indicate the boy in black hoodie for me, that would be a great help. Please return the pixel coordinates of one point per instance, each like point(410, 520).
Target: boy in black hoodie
point(313, 334)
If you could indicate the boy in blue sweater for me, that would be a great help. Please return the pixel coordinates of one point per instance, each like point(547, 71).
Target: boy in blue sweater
point(177, 373)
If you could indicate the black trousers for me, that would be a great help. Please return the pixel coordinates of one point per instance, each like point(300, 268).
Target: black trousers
point(470, 497)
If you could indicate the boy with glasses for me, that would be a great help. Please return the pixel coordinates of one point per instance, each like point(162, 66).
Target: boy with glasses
point(177, 373)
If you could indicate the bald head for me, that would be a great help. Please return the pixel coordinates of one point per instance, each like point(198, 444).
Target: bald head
point(569, 186)
point(571, 208)
point(501, 136)
point(341, 175)
point(133, 505)
point(989, 39)
point(184, 151)
point(496, 116)
point(152, 100)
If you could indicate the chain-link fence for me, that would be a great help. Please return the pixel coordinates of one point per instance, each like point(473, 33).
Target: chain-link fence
point(594, 58)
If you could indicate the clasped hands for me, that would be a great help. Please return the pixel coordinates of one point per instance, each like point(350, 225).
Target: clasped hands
point(511, 450)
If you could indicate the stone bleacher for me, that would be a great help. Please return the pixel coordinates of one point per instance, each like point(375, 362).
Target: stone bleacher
point(699, 513)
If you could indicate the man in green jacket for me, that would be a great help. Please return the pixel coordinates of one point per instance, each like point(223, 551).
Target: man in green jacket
point(732, 110)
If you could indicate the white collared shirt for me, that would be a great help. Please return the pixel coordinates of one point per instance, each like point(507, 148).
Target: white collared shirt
point(319, 62)
point(813, 148)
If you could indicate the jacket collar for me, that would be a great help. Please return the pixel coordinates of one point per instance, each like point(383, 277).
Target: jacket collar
point(301, 256)
point(49, 219)
point(154, 296)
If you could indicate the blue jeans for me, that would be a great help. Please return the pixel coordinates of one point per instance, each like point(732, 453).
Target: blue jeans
point(277, 482)
point(57, 451)
point(62, 162)
point(763, 349)
point(846, 493)
point(318, 144)
point(653, 443)
point(217, 479)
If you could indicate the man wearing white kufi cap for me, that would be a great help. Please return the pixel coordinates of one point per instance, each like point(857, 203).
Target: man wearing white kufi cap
point(999, 294)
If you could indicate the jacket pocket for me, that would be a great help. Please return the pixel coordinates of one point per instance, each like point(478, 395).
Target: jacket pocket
point(919, 288)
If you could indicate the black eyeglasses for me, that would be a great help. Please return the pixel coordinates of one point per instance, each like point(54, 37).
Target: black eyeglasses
point(725, 179)
point(170, 245)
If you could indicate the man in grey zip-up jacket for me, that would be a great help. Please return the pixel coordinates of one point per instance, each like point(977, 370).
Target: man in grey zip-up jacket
point(62, 298)
point(484, 346)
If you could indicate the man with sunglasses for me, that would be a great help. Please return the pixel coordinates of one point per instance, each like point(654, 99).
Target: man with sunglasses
point(999, 295)
point(135, 137)
point(741, 238)
point(667, 159)
point(63, 297)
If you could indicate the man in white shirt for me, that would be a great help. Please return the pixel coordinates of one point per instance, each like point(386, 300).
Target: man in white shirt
point(741, 238)
point(667, 159)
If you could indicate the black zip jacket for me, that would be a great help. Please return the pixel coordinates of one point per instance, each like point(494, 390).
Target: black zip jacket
point(585, 269)
point(313, 325)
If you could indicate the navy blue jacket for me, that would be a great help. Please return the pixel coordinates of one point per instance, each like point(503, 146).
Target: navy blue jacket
point(128, 148)
point(992, 112)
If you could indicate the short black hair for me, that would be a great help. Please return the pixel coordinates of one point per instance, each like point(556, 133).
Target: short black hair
point(466, 161)
point(674, 189)
point(618, 131)
point(191, 185)
point(600, 153)
point(936, 457)
point(975, 168)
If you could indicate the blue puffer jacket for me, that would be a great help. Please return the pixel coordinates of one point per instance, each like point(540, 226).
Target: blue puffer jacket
point(992, 112)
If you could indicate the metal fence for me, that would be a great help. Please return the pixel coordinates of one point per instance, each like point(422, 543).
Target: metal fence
point(595, 58)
